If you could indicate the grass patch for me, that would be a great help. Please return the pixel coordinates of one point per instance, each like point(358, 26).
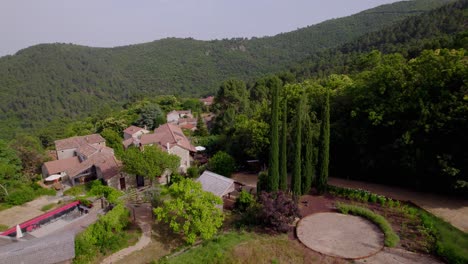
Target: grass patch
point(76, 190)
point(47, 207)
point(211, 251)
point(391, 238)
point(3, 227)
point(451, 243)
point(242, 247)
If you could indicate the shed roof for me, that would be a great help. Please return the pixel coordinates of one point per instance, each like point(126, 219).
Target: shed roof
point(216, 184)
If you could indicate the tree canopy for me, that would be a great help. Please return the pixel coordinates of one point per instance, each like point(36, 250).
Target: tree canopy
point(150, 163)
point(189, 210)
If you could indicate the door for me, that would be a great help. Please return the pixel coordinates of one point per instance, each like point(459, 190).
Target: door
point(140, 181)
point(122, 184)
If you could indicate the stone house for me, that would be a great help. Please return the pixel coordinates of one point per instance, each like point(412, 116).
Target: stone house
point(175, 115)
point(170, 138)
point(82, 159)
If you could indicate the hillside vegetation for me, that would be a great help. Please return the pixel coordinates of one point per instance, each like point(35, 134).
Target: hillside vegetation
point(63, 81)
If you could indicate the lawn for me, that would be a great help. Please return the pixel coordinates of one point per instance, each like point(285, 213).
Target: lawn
point(242, 247)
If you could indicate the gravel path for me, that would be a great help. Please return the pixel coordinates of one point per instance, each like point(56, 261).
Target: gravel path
point(144, 220)
point(452, 210)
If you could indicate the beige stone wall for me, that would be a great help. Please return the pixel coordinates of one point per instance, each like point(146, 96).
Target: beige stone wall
point(130, 181)
point(184, 157)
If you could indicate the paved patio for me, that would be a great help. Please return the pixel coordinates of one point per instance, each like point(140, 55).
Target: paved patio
point(339, 235)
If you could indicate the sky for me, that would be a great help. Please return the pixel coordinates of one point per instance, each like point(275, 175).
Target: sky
point(110, 23)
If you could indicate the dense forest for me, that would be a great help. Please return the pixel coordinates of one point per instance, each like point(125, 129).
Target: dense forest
point(63, 81)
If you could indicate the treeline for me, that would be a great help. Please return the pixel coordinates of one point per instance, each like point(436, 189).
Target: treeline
point(444, 27)
point(67, 82)
point(396, 121)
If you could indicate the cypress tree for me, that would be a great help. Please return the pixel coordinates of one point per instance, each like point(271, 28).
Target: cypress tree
point(324, 146)
point(296, 175)
point(273, 165)
point(283, 180)
point(308, 173)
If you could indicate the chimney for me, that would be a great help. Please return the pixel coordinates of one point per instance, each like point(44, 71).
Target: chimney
point(168, 149)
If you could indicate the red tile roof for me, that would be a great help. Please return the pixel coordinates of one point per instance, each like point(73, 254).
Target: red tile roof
point(168, 133)
point(75, 142)
point(132, 130)
point(57, 166)
point(208, 100)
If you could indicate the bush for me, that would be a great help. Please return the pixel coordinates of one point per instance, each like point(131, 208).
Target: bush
point(20, 196)
point(244, 201)
point(222, 163)
point(104, 235)
point(277, 211)
point(193, 172)
point(391, 238)
point(451, 243)
point(262, 183)
point(76, 190)
point(85, 202)
point(47, 207)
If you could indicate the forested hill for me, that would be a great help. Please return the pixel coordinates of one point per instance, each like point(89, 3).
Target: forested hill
point(51, 81)
point(444, 27)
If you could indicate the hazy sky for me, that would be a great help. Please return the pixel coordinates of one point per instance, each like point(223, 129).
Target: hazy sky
point(108, 23)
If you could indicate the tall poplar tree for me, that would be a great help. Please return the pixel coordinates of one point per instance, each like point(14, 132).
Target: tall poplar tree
point(283, 180)
point(296, 175)
point(324, 146)
point(273, 166)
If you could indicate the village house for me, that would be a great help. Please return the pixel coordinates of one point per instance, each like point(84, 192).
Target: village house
point(132, 135)
point(170, 138)
point(175, 115)
point(82, 159)
point(208, 100)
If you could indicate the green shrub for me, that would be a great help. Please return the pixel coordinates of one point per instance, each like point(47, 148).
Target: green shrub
point(244, 201)
point(391, 238)
point(85, 202)
point(47, 207)
point(20, 196)
point(107, 234)
point(193, 172)
point(451, 243)
point(3, 227)
point(222, 163)
point(76, 190)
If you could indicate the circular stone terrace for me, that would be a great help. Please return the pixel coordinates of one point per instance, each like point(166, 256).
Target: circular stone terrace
point(339, 235)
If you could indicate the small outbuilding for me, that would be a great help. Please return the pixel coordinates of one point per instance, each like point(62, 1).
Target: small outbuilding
point(217, 184)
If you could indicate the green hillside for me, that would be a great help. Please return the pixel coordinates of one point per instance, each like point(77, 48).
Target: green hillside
point(63, 81)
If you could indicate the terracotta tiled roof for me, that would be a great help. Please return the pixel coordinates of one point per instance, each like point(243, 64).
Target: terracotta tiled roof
point(75, 142)
point(188, 126)
point(208, 100)
point(184, 112)
point(104, 160)
point(132, 130)
point(57, 166)
point(187, 120)
point(168, 133)
point(128, 142)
